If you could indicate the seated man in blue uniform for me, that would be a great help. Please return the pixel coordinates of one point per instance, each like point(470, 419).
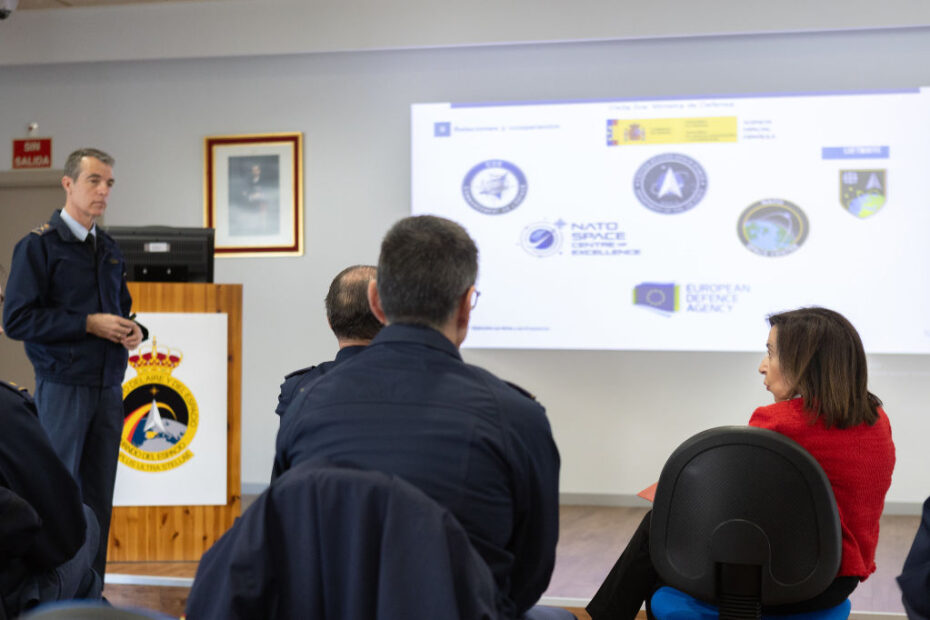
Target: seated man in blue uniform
point(48, 539)
point(915, 576)
point(352, 322)
point(409, 405)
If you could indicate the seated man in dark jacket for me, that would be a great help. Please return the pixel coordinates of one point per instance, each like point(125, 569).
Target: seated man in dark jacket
point(353, 324)
point(915, 576)
point(48, 538)
point(408, 405)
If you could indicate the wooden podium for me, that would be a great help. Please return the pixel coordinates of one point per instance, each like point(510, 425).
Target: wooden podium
point(183, 533)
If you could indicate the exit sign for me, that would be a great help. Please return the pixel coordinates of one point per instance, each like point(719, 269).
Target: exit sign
point(32, 153)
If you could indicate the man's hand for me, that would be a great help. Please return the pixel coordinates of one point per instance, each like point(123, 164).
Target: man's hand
point(134, 339)
point(114, 328)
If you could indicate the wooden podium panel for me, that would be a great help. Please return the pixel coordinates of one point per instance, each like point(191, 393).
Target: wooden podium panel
point(183, 533)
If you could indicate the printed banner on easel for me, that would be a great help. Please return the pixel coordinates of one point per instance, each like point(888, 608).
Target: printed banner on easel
point(173, 447)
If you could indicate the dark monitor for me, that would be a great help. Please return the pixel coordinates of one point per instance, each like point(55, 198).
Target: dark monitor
point(165, 253)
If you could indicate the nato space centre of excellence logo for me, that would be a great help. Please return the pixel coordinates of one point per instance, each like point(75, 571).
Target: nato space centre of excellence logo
point(584, 238)
point(542, 238)
point(494, 187)
point(772, 227)
point(160, 413)
point(670, 183)
point(665, 298)
point(863, 192)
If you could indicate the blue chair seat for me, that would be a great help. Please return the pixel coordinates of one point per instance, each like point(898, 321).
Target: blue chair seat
point(671, 604)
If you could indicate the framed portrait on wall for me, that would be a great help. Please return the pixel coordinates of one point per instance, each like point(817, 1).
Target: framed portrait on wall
point(253, 193)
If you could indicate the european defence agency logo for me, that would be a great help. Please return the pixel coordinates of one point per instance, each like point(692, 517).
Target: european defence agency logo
point(542, 238)
point(160, 413)
point(773, 227)
point(659, 296)
point(863, 192)
point(670, 183)
point(494, 187)
point(691, 297)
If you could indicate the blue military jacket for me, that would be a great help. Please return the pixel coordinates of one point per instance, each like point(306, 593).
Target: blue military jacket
point(915, 576)
point(408, 405)
point(36, 479)
point(342, 544)
point(295, 381)
point(55, 282)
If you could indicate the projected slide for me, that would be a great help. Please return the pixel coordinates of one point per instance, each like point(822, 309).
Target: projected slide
point(679, 224)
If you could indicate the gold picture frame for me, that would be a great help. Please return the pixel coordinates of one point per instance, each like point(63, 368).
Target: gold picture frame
point(253, 193)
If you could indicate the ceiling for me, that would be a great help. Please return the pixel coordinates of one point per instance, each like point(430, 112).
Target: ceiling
point(25, 5)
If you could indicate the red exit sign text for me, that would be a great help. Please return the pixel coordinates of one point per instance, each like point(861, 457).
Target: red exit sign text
point(32, 153)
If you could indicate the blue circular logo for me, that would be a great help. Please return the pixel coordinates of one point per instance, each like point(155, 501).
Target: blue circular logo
point(772, 227)
point(541, 239)
point(670, 183)
point(494, 187)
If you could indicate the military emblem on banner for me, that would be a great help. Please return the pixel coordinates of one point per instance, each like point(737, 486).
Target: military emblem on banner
point(670, 183)
point(773, 227)
point(160, 413)
point(863, 192)
point(494, 187)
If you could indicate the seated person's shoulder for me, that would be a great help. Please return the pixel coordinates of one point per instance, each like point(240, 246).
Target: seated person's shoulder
point(509, 394)
point(299, 373)
point(12, 393)
point(520, 390)
point(292, 383)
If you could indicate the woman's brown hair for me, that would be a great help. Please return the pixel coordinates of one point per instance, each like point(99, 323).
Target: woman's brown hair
point(821, 353)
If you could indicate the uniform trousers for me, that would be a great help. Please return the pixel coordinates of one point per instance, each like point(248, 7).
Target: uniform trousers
point(84, 425)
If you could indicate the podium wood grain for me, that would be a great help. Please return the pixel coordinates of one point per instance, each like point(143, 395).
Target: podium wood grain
point(179, 533)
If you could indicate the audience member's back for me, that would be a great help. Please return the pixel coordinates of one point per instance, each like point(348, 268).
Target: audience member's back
point(408, 405)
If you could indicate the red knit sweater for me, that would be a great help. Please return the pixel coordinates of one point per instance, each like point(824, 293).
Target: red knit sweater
point(858, 461)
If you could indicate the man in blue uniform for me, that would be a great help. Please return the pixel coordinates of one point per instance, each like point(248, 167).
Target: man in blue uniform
point(47, 538)
point(914, 579)
point(409, 405)
point(352, 322)
point(67, 299)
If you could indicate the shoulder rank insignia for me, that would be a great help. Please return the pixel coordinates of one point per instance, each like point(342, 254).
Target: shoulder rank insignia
point(521, 390)
point(41, 230)
point(16, 388)
point(297, 373)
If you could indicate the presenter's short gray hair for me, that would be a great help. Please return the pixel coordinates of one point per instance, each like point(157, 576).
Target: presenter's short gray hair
point(73, 163)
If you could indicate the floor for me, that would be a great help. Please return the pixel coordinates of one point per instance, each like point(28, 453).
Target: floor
point(591, 539)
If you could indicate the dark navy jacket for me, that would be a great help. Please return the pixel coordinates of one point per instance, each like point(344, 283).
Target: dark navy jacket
point(915, 576)
point(55, 282)
point(343, 544)
point(293, 382)
point(408, 405)
point(32, 471)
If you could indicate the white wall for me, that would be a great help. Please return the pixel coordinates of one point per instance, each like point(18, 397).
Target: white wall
point(260, 27)
point(616, 415)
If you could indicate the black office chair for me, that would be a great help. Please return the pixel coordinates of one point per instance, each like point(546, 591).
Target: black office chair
point(745, 517)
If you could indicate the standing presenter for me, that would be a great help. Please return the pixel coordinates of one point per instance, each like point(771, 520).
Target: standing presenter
point(67, 299)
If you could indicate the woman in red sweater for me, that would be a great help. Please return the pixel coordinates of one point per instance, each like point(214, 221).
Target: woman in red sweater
point(815, 367)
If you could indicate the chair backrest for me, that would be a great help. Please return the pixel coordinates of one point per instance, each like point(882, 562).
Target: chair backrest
point(332, 543)
point(745, 515)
